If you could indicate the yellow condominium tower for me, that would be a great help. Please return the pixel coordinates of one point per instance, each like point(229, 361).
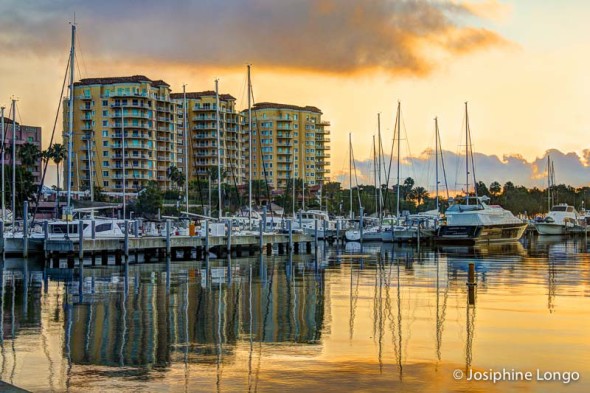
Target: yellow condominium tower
point(288, 141)
point(202, 124)
point(133, 109)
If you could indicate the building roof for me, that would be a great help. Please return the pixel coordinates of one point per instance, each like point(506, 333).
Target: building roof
point(120, 79)
point(8, 120)
point(272, 105)
point(201, 94)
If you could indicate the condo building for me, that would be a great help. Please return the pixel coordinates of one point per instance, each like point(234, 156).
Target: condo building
point(130, 115)
point(202, 123)
point(24, 134)
point(287, 141)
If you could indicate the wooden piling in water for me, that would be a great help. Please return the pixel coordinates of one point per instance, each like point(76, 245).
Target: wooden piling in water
point(168, 237)
point(471, 284)
point(25, 229)
point(81, 239)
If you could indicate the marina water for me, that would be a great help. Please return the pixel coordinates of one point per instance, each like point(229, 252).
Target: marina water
point(379, 318)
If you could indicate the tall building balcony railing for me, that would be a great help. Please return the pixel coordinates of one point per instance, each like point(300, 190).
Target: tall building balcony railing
point(86, 107)
point(140, 105)
point(84, 97)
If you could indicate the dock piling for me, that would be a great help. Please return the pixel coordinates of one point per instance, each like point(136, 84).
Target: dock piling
point(81, 239)
point(2, 237)
point(26, 229)
point(168, 230)
point(126, 242)
point(471, 284)
point(290, 228)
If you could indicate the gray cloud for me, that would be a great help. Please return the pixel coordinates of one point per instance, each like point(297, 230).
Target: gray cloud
point(570, 168)
point(340, 36)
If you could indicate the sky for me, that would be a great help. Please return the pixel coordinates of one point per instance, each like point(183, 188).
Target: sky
point(522, 66)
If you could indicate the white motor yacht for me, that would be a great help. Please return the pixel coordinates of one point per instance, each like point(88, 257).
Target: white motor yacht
point(472, 220)
point(559, 220)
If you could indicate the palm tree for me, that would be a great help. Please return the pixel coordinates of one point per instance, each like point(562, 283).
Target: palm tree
point(175, 176)
point(419, 194)
point(57, 153)
point(28, 154)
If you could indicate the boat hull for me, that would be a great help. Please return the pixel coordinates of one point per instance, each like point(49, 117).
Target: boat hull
point(471, 234)
point(550, 229)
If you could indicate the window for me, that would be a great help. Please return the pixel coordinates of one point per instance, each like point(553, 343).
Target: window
point(105, 102)
point(105, 173)
point(105, 153)
point(105, 123)
point(103, 227)
point(105, 183)
point(105, 113)
point(105, 164)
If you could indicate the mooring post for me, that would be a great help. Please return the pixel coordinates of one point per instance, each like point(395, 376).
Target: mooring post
point(25, 229)
point(261, 232)
point(315, 221)
point(80, 239)
point(168, 230)
point(229, 237)
point(93, 229)
point(207, 238)
point(361, 223)
point(290, 228)
point(2, 237)
point(471, 284)
point(126, 243)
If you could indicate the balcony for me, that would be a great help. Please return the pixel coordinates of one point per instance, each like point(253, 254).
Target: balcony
point(86, 127)
point(86, 107)
point(85, 98)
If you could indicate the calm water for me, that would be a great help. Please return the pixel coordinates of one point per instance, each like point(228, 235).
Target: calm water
point(376, 319)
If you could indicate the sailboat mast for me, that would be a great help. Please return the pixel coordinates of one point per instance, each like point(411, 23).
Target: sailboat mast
point(398, 156)
point(350, 171)
point(3, 183)
point(466, 154)
point(436, 158)
point(218, 148)
point(548, 184)
point(250, 150)
point(380, 201)
point(123, 160)
point(375, 177)
point(14, 163)
point(90, 156)
point(186, 142)
point(70, 123)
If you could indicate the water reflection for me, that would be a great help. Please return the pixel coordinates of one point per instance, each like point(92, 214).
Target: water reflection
point(385, 317)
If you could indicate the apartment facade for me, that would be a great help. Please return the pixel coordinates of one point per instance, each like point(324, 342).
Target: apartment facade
point(202, 125)
point(134, 112)
point(24, 134)
point(287, 141)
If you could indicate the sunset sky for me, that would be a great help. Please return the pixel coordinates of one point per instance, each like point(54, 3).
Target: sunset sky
point(522, 65)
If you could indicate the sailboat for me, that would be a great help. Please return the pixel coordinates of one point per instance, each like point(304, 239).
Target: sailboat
point(472, 219)
point(561, 217)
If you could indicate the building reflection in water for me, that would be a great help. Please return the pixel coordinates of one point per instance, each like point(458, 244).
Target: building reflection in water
point(202, 317)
